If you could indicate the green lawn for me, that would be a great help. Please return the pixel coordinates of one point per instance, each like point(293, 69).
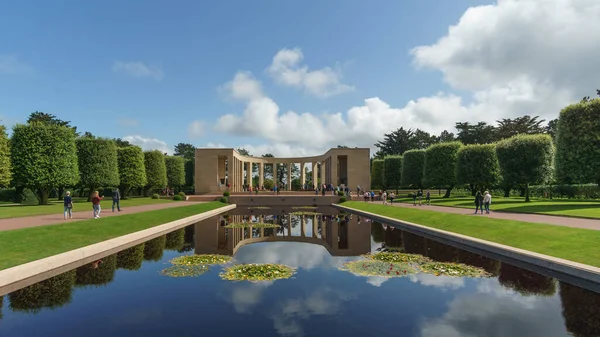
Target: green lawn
point(575, 244)
point(29, 244)
point(79, 204)
point(562, 207)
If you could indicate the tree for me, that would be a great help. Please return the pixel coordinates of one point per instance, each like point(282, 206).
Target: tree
point(413, 162)
point(526, 159)
point(122, 143)
point(185, 150)
point(98, 164)
point(43, 157)
point(440, 162)
point(175, 171)
point(480, 133)
point(377, 174)
point(268, 169)
point(521, 125)
point(46, 118)
point(244, 152)
point(392, 170)
point(342, 147)
point(156, 170)
point(132, 171)
point(401, 140)
point(477, 165)
point(446, 136)
point(552, 128)
point(578, 143)
point(5, 167)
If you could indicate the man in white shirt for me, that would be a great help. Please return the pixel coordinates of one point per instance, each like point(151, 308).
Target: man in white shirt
point(487, 200)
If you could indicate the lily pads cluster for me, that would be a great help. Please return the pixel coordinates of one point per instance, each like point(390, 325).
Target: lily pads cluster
point(393, 264)
point(194, 265)
point(257, 272)
point(304, 207)
point(305, 213)
point(251, 224)
point(259, 207)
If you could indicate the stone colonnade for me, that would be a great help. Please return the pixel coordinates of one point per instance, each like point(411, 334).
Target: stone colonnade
point(241, 173)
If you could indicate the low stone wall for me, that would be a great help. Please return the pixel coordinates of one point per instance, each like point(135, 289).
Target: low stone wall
point(564, 270)
point(24, 275)
point(283, 200)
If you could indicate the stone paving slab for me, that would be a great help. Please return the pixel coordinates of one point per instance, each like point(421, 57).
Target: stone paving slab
point(53, 219)
point(525, 217)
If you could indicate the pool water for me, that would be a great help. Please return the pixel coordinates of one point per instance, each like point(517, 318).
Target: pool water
point(126, 295)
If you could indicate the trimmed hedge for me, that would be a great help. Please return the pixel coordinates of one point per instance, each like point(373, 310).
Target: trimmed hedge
point(440, 163)
point(132, 171)
point(156, 170)
point(98, 164)
point(377, 174)
point(413, 162)
point(175, 171)
point(392, 172)
point(478, 165)
point(5, 168)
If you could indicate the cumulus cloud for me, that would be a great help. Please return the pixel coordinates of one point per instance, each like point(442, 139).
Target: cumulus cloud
point(511, 58)
point(11, 64)
point(286, 69)
point(148, 143)
point(139, 70)
point(196, 129)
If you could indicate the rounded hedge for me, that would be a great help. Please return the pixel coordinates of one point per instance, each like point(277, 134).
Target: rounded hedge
point(98, 164)
point(175, 171)
point(377, 173)
point(177, 197)
point(413, 162)
point(440, 163)
point(578, 143)
point(132, 170)
point(392, 170)
point(156, 170)
point(155, 196)
point(5, 169)
point(477, 164)
point(526, 159)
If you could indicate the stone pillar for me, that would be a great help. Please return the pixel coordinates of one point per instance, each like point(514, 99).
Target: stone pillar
point(289, 225)
point(302, 175)
point(233, 168)
point(315, 227)
point(334, 170)
point(323, 172)
point(261, 175)
point(289, 176)
point(229, 170)
point(314, 174)
point(302, 224)
point(249, 173)
point(275, 175)
point(241, 175)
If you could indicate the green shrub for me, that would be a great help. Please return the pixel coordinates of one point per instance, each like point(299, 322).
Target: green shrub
point(132, 170)
point(5, 167)
point(440, 163)
point(412, 168)
point(175, 171)
point(342, 199)
point(477, 164)
point(340, 193)
point(223, 200)
point(182, 194)
point(392, 170)
point(226, 193)
point(377, 174)
point(177, 197)
point(98, 163)
point(156, 170)
point(155, 196)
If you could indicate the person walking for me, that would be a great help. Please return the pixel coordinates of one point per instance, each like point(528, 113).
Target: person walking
point(428, 197)
point(414, 195)
point(420, 196)
point(392, 196)
point(487, 200)
point(68, 203)
point(96, 204)
point(478, 202)
point(384, 197)
point(116, 198)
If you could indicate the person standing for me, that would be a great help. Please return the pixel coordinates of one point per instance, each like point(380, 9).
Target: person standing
point(420, 196)
point(487, 200)
point(116, 197)
point(96, 204)
point(68, 202)
point(428, 197)
point(392, 196)
point(384, 197)
point(478, 202)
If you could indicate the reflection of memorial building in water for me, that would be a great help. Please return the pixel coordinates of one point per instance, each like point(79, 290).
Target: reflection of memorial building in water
point(340, 235)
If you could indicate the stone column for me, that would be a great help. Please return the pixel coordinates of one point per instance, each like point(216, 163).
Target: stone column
point(323, 172)
point(233, 169)
point(315, 227)
point(314, 174)
point(334, 170)
point(289, 225)
point(249, 172)
point(289, 176)
point(302, 175)
point(275, 174)
point(302, 224)
point(261, 175)
point(241, 175)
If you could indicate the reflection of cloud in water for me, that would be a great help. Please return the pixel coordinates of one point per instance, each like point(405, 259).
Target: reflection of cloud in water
point(245, 297)
point(293, 254)
point(492, 287)
point(376, 281)
point(493, 313)
point(443, 282)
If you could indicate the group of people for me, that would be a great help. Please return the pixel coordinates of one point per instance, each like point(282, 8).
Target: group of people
point(482, 202)
point(96, 199)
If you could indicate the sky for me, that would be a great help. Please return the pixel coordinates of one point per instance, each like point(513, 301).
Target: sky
point(291, 77)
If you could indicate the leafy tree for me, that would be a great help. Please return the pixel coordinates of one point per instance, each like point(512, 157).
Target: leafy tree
point(521, 125)
point(401, 140)
point(392, 170)
point(281, 173)
point(440, 162)
point(526, 159)
point(54, 292)
point(185, 150)
point(46, 118)
point(98, 164)
point(578, 143)
point(446, 136)
point(342, 147)
point(377, 173)
point(175, 171)
point(122, 143)
point(243, 152)
point(552, 128)
point(156, 170)
point(268, 168)
point(480, 133)
point(5, 167)
point(132, 170)
point(477, 165)
point(43, 156)
point(413, 162)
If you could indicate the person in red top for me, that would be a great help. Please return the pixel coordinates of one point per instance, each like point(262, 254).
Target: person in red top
point(96, 204)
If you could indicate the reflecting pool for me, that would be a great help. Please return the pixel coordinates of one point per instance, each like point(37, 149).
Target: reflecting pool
point(126, 295)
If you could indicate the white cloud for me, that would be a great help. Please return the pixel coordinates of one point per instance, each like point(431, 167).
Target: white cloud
point(128, 122)
point(10, 64)
point(196, 129)
point(287, 70)
point(513, 58)
point(148, 143)
point(139, 70)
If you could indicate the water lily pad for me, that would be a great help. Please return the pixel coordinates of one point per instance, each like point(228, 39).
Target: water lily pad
point(399, 257)
point(304, 207)
point(197, 260)
point(379, 268)
point(305, 213)
point(453, 269)
point(185, 271)
point(251, 224)
point(259, 207)
point(257, 272)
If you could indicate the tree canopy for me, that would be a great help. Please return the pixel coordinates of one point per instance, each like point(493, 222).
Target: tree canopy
point(413, 162)
point(97, 161)
point(175, 171)
point(185, 150)
point(46, 118)
point(402, 140)
point(392, 172)
point(156, 170)
point(132, 171)
point(377, 174)
point(440, 162)
point(477, 164)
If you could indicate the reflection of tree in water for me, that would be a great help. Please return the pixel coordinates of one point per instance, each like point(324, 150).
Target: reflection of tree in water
point(175, 239)
point(526, 282)
point(1, 304)
point(131, 258)
point(101, 275)
point(51, 293)
point(438, 251)
point(393, 238)
point(377, 232)
point(153, 249)
point(188, 240)
point(490, 265)
point(414, 244)
point(581, 310)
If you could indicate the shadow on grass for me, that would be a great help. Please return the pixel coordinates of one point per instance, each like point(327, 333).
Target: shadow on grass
point(533, 208)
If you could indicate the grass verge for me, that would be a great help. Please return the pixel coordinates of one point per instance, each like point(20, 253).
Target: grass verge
point(29, 244)
point(575, 244)
point(560, 207)
point(17, 211)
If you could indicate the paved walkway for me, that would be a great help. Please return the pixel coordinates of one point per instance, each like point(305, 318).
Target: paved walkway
point(537, 218)
point(53, 219)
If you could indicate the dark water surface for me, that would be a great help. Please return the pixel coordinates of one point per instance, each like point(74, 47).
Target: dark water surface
point(127, 296)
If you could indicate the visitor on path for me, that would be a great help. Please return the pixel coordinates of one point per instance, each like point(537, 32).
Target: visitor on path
point(372, 196)
point(420, 196)
point(428, 197)
point(68, 202)
point(392, 196)
point(96, 204)
point(358, 190)
point(116, 197)
point(367, 195)
point(414, 195)
point(478, 202)
point(384, 197)
point(487, 200)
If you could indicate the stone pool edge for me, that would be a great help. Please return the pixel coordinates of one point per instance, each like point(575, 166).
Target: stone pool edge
point(24, 275)
point(559, 268)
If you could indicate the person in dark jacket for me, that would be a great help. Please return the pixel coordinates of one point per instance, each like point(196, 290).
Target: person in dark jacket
point(478, 202)
point(116, 197)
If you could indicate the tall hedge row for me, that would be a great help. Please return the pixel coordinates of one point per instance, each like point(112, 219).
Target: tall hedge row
point(175, 171)
point(377, 173)
point(98, 164)
point(440, 163)
point(413, 162)
point(478, 165)
point(5, 168)
point(392, 172)
point(156, 170)
point(578, 143)
point(132, 170)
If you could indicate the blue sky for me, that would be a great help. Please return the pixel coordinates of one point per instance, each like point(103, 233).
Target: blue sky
point(149, 69)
